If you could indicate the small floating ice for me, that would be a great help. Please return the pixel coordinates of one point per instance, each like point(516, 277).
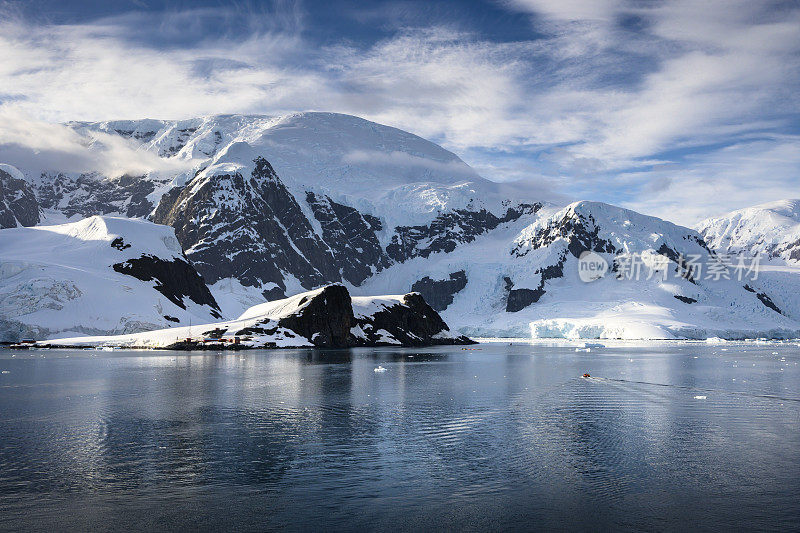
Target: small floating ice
point(593, 345)
point(583, 349)
point(379, 369)
point(700, 397)
point(715, 340)
point(108, 348)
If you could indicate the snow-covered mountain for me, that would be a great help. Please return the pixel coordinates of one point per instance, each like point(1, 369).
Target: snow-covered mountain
point(269, 207)
point(523, 280)
point(771, 229)
point(326, 317)
point(369, 166)
point(100, 275)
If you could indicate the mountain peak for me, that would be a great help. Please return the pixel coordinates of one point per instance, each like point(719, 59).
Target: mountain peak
point(771, 228)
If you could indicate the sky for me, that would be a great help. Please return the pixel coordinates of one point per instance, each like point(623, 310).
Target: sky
point(681, 109)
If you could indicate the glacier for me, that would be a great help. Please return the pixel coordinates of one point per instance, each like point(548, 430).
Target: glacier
point(72, 278)
point(267, 207)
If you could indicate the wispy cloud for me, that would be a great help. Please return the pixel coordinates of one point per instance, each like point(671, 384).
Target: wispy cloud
point(608, 99)
point(37, 146)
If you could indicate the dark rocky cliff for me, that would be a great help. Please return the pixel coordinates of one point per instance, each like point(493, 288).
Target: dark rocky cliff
point(176, 279)
point(249, 228)
point(412, 322)
point(18, 204)
point(327, 320)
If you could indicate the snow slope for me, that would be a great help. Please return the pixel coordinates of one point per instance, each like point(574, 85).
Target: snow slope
point(538, 256)
point(265, 207)
point(771, 229)
point(57, 279)
point(372, 167)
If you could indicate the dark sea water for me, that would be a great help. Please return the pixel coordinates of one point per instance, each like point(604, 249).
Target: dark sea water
point(502, 437)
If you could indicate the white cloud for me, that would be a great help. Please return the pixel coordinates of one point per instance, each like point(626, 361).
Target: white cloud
point(598, 10)
point(36, 146)
point(711, 184)
point(611, 86)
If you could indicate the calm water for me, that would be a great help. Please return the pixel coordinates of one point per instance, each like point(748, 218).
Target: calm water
point(505, 437)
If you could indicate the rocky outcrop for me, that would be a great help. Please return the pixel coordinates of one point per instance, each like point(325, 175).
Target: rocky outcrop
point(175, 279)
point(448, 230)
point(439, 293)
point(764, 299)
point(579, 230)
point(249, 228)
point(519, 299)
point(767, 301)
point(328, 320)
point(351, 237)
point(18, 205)
point(409, 322)
point(325, 320)
point(90, 194)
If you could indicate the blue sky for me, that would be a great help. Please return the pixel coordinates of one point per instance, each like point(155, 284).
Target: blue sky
point(680, 109)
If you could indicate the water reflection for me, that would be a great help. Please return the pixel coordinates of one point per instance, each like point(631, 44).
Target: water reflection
point(500, 437)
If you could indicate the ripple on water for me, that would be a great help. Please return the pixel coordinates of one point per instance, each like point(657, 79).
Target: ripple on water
point(493, 440)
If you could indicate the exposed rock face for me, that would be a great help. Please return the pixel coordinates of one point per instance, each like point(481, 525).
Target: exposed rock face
point(174, 279)
point(351, 237)
point(681, 266)
point(412, 322)
point(449, 230)
point(89, 194)
point(18, 205)
point(327, 319)
point(580, 231)
point(767, 301)
point(764, 299)
point(440, 292)
point(251, 229)
point(519, 299)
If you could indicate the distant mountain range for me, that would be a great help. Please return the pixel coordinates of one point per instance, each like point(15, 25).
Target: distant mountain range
point(269, 207)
